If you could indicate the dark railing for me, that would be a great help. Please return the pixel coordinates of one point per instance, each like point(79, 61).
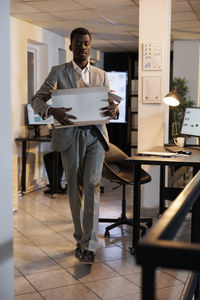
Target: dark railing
point(158, 249)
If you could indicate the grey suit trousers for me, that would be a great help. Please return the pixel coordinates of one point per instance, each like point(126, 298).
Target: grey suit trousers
point(83, 162)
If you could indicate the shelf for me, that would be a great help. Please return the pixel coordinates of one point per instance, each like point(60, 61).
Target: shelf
point(134, 119)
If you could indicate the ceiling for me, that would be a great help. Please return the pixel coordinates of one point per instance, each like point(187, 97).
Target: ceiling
point(113, 23)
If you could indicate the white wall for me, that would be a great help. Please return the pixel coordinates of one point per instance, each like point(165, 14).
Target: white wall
point(6, 259)
point(186, 64)
point(23, 33)
point(47, 43)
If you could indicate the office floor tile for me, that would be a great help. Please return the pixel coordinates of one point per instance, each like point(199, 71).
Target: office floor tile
point(129, 297)
point(22, 219)
point(55, 251)
point(66, 231)
point(51, 279)
point(61, 225)
point(22, 286)
point(46, 236)
point(77, 291)
point(29, 296)
point(124, 242)
point(112, 287)
point(103, 243)
point(170, 293)
point(61, 206)
point(45, 266)
point(111, 253)
point(21, 241)
point(178, 274)
point(87, 273)
point(115, 232)
point(124, 266)
point(30, 260)
point(163, 280)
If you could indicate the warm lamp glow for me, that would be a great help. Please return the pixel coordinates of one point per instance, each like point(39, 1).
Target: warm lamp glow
point(172, 98)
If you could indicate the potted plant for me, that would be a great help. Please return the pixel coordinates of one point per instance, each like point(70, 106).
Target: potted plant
point(177, 112)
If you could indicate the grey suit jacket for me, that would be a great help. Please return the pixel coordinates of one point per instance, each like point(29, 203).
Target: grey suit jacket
point(63, 75)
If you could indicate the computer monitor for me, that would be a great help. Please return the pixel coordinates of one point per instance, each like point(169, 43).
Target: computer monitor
point(118, 85)
point(191, 122)
point(34, 120)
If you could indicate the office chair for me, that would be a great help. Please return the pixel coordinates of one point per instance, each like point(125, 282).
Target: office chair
point(116, 169)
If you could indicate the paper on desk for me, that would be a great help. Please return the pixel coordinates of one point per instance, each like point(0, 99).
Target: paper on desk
point(155, 153)
point(86, 104)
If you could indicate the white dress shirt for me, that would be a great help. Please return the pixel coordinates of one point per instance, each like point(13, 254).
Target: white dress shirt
point(82, 75)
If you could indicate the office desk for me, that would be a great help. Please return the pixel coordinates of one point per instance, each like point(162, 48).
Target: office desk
point(24, 142)
point(192, 160)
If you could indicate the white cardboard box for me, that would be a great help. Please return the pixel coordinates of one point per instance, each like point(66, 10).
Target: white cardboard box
point(86, 104)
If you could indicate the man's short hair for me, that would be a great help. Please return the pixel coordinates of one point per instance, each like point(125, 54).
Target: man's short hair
point(79, 31)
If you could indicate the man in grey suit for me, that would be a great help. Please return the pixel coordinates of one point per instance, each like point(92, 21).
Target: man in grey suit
point(82, 148)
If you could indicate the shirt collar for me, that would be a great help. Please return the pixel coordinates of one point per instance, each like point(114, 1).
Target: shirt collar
point(78, 69)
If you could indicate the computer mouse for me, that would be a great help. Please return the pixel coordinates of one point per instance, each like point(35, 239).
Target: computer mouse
point(187, 152)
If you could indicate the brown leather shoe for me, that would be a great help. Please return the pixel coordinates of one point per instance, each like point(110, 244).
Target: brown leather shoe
point(87, 257)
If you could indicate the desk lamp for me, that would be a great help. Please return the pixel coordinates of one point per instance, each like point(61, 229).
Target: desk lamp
point(172, 99)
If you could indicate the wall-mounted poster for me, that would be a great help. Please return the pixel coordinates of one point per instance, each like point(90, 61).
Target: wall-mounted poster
point(151, 89)
point(152, 56)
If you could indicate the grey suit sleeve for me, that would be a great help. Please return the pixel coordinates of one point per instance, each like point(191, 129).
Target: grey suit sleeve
point(39, 100)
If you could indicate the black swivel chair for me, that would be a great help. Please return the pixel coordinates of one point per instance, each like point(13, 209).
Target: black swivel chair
point(116, 169)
